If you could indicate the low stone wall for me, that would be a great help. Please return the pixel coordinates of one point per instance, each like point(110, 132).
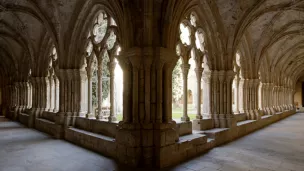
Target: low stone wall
point(24, 118)
point(240, 117)
point(202, 124)
point(93, 134)
point(10, 114)
point(96, 142)
point(96, 126)
point(245, 128)
point(100, 136)
point(184, 128)
point(48, 127)
point(51, 116)
point(176, 153)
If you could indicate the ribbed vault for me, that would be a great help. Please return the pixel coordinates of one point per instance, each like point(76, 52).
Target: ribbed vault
point(268, 34)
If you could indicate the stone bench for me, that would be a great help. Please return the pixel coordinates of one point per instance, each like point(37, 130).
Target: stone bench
point(103, 144)
point(188, 146)
point(24, 118)
point(48, 127)
point(96, 126)
point(240, 117)
point(51, 116)
point(184, 128)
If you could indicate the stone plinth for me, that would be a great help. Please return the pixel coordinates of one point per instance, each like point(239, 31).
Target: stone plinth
point(202, 124)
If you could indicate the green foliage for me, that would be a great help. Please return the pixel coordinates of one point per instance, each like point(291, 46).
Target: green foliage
point(105, 77)
point(105, 82)
point(177, 82)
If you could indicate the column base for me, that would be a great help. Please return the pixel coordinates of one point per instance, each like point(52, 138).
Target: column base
point(207, 116)
point(145, 145)
point(15, 116)
point(258, 114)
point(267, 111)
point(90, 116)
point(231, 121)
point(32, 117)
point(273, 111)
point(63, 121)
point(112, 118)
point(216, 121)
point(222, 120)
point(185, 119)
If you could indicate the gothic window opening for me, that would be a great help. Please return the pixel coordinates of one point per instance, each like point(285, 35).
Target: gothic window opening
point(236, 84)
point(103, 71)
point(53, 81)
point(187, 73)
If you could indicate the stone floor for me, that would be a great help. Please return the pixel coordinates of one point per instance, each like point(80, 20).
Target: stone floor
point(278, 147)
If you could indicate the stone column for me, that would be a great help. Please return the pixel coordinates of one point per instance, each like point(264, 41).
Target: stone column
point(185, 70)
point(33, 102)
point(56, 94)
point(243, 95)
point(198, 72)
point(230, 120)
point(70, 98)
point(31, 94)
point(262, 97)
point(215, 102)
point(250, 113)
point(111, 66)
point(146, 123)
point(21, 96)
point(52, 92)
point(83, 82)
point(278, 98)
point(17, 100)
point(257, 112)
point(271, 98)
point(265, 98)
point(236, 94)
point(99, 89)
point(89, 75)
point(207, 94)
point(222, 93)
point(46, 91)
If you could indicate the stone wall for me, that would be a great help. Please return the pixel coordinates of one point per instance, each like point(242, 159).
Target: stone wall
point(48, 127)
point(189, 147)
point(240, 117)
point(99, 143)
point(101, 136)
point(184, 128)
point(96, 126)
point(51, 116)
point(24, 118)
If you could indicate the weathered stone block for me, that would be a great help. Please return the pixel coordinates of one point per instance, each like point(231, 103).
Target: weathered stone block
point(147, 138)
point(130, 138)
point(133, 151)
point(170, 136)
point(184, 128)
point(202, 124)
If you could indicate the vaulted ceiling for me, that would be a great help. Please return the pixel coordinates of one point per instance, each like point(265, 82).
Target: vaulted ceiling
point(269, 34)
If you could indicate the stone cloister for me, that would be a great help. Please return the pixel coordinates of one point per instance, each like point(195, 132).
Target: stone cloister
point(61, 59)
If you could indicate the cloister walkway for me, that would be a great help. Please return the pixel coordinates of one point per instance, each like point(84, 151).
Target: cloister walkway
point(278, 147)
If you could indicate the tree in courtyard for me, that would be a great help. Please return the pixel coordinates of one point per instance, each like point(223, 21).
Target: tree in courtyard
point(177, 83)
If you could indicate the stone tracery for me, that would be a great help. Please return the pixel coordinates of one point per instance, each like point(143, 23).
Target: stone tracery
point(101, 50)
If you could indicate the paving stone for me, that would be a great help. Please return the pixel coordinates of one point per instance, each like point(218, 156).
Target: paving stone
point(24, 149)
